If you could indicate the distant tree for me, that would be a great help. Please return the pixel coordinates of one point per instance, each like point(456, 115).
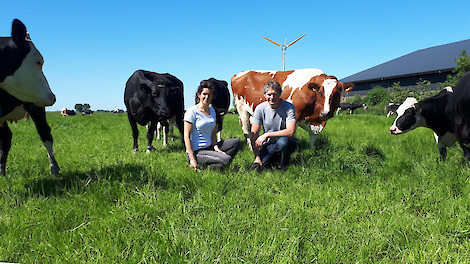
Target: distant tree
point(422, 85)
point(396, 87)
point(463, 66)
point(376, 96)
point(356, 99)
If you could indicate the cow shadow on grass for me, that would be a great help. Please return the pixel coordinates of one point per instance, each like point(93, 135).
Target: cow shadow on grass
point(75, 181)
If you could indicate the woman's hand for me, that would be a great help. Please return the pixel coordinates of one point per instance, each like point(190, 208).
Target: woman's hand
point(217, 149)
point(193, 164)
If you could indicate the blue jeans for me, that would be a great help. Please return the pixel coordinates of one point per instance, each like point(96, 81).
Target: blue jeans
point(278, 151)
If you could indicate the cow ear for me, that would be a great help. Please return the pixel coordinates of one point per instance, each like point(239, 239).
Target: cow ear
point(18, 31)
point(144, 88)
point(314, 87)
point(348, 87)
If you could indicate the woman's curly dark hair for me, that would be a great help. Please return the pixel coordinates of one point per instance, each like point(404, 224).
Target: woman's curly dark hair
point(208, 85)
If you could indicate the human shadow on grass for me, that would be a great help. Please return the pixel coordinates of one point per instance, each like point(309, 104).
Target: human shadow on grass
point(75, 181)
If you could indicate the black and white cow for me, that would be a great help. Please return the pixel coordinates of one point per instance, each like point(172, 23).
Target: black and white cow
point(391, 109)
point(428, 113)
point(23, 89)
point(150, 98)
point(349, 107)
point(458, 112)
point(66, 112)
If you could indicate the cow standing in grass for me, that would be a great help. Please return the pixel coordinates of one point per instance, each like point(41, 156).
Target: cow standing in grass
point(314, 94)
point(458, 112)
point(428, 113)
point(349, 107)
point(23, 89)
point(150, 98)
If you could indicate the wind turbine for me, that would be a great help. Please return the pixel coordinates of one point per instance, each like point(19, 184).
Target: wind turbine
point(284, 47)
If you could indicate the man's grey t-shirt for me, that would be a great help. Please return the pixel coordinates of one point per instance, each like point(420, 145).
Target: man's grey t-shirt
point(274, 119)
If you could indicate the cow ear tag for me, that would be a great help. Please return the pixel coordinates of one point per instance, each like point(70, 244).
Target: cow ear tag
point(313, 87)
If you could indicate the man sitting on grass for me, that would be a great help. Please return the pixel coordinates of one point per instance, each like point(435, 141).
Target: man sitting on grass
point(278, 120)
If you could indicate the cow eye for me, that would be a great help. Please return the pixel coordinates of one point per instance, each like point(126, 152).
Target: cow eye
point(144, 88)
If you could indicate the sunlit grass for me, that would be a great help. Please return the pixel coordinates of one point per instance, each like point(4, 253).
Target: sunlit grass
point(362, 196)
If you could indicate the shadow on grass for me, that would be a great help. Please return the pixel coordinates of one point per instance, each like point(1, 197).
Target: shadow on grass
point(75, 181)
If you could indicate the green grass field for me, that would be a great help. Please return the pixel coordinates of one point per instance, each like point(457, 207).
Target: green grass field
point(363, 196)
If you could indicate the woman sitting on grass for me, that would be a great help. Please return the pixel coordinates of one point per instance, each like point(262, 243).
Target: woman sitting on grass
point(200, 131)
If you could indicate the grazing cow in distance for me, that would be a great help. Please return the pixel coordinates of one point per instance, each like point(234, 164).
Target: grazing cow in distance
point(118, 111)
point(66, 112)
point(458, 112)
point(428, 113)
point(314, 95)
point(150, 98)
point(349, 107)
point(87, 111)
point(23, 90)
point(391, 109)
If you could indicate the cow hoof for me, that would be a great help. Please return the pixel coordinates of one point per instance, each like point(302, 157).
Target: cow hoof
point(55, 170)
point(135, 151)
point(149, 150)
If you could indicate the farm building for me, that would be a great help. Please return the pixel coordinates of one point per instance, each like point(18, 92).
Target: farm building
point(432, 64)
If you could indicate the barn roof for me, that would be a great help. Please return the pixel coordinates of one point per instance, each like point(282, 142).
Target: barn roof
point(424, 61)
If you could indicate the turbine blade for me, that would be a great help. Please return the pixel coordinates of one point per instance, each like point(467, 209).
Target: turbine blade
point(272, 41)
point(296, 40)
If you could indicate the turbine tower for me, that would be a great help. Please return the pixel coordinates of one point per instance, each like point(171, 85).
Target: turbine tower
point(284, 47)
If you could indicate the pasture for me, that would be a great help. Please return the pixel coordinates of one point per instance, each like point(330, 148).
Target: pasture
point(363, 196)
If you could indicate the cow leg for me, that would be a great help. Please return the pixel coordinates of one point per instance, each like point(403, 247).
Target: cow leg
point(466, 150)
point(38, 114)
point(442, 147)
point(313, 131)
point(135, 132)
point(219, 128)
point(150, 135)
point(164, 127)
point(158, 131)
point(5, 145)
point(245, 120)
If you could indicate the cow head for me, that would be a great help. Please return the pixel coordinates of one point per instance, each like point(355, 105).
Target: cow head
point(158, 96)
point(408, 117)
point(328, 94)
point(21, 68)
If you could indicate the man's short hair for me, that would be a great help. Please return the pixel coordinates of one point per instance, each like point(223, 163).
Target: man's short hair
point(272, 85)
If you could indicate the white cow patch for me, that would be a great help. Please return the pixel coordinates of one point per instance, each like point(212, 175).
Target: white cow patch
point(328, 86)
point(28, 83)
point(408, 103)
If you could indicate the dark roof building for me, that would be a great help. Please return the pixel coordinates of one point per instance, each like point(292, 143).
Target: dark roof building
point(432, 64)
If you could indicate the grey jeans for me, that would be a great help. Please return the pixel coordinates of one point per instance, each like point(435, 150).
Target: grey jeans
point(208, 156)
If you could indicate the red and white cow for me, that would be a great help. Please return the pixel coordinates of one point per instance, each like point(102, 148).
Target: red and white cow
point(314, 94)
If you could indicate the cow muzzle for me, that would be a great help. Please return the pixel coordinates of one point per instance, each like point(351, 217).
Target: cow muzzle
point(48, 100)
point(395, 131)
point(326, 115)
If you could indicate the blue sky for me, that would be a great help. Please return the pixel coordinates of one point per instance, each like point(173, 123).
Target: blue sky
point(91, 48)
